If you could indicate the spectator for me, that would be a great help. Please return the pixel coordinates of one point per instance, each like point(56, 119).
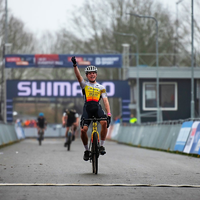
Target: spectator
point(133, 119)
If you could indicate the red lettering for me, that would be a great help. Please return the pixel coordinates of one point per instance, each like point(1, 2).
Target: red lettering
point(13, 59)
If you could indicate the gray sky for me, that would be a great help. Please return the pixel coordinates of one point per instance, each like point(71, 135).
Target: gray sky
point(49, 15)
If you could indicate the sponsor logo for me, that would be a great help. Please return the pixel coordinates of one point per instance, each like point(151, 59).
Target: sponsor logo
point(106, 60)
point(51, 59)
point(84, 63)
point(56, 89)
point(13, 59)
point(22, 63)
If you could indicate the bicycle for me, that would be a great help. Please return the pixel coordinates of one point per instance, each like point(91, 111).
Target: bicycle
point(94, 142)
point(69, 141)
point(70, 138)
point(40, 138)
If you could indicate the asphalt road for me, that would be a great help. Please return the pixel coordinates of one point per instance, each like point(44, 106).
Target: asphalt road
point(124, 173)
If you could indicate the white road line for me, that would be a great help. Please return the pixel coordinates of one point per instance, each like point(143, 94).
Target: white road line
point(99, 184)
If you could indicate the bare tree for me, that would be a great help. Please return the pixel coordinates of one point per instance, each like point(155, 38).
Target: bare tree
point(98, 20)
point(185, 33)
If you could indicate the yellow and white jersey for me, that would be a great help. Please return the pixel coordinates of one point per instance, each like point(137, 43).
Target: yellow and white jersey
point(93, 92)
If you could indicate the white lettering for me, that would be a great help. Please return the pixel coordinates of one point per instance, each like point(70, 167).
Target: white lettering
point(49, 88)
point(75, 89)
point(98, 61)
point(55, 89)
point(22, 86)
point(40, 91)
point(111, 86)
point(106, 60)
point(62, 86)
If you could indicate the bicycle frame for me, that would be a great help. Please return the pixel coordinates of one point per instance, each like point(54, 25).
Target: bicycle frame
point(69, 135)
point(94, 129)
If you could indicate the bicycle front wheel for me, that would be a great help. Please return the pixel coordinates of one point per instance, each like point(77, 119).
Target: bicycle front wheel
point(95, 154)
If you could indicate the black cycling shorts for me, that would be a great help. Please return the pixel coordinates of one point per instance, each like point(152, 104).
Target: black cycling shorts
point(70, 122)
point(41, 127)
point(90, 110)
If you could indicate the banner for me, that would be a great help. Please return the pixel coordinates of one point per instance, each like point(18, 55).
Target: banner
point(57, 61)
point(190, 140)
point(183, 136)
point(63, 89)
point(50, 88)
point(196, 143)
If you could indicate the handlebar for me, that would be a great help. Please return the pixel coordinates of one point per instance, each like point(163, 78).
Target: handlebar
point(94, 119)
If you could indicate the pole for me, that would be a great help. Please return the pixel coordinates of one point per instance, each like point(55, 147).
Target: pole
point(176, 44)
point(4, 70)
point(192, 62)
point(6, 22)
point(2, 84)
point(157, 61)
point(157, 76)
point(137, 79)
point(138, 89)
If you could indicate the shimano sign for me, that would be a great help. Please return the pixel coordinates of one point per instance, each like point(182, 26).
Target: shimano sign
point(54, 88)
point(60, 89)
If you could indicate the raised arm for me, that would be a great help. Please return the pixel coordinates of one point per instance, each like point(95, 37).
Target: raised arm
point(76, 70)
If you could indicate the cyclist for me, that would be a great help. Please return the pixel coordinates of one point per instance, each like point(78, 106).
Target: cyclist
point(41, 122)
point(69, 118)
point(92, 92)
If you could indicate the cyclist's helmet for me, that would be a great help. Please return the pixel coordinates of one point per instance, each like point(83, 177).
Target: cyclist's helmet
point(72, 110)
point(41, 114)
point(90, 68)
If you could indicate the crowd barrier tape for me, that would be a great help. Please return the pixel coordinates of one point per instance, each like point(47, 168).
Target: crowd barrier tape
point(7, 134)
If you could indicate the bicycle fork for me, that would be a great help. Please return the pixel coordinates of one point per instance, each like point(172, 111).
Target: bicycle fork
point(92, 141)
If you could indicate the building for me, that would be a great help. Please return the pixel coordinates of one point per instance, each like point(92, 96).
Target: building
point(174, 92)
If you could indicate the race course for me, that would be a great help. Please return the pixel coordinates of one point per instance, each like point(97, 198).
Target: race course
point(29, 171)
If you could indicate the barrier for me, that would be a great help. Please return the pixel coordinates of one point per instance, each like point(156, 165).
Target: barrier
point(165, 136)
point(7, 134)
point(158, 136)
point(183, 135)
point(190, 139)
point(196, 143)
point(55, 130)
point(51, 131)
point(19, 129)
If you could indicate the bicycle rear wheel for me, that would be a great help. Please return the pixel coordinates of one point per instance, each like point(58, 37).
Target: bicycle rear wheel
point(69, 141)
point(40, 141)
point(40, 137)
point(95, 154)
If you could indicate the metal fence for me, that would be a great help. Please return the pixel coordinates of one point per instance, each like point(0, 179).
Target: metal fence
point(7, 134)
point(159, 136)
